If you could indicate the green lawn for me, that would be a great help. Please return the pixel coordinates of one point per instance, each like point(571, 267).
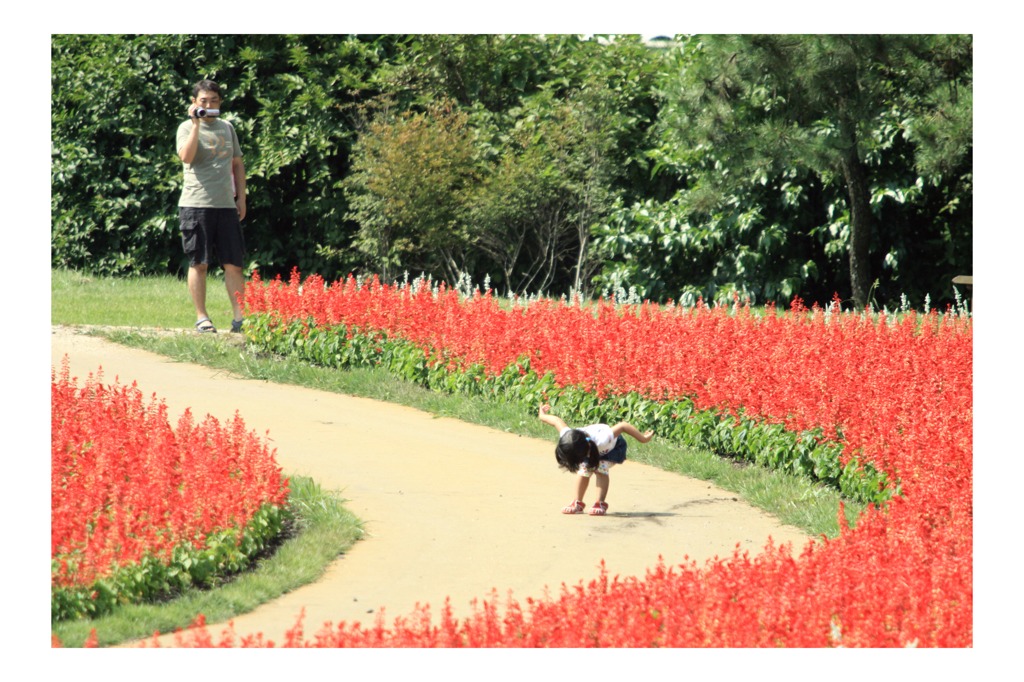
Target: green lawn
point(163, 302)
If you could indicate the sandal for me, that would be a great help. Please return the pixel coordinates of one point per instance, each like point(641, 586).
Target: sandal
point(236, 326)
point(599, 509)
point(576, 507)
point(204, 326)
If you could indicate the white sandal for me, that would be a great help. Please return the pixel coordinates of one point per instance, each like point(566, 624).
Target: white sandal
point(576, 507)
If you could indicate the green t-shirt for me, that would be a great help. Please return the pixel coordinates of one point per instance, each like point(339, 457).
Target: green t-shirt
point(208, 179)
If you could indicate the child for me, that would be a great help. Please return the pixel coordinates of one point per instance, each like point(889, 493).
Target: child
point(593, 449)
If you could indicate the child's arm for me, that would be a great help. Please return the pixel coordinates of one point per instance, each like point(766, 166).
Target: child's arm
point(545, 416)
point(629, 429)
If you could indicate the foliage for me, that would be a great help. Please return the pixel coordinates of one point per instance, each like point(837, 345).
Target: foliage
point(537, 136)
point(717, 165)
point(116, 177)
point(109, 169)
point(532, 212)
point(895, 393)
point(141, 510)
point(748, 244)
point(296, 103)
point(846, 125)
point(409, 188)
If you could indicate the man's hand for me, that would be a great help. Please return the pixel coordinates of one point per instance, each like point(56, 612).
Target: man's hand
point(187, 153)
point(238, 178)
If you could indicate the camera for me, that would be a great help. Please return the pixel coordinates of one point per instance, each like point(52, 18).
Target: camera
point(206, 113)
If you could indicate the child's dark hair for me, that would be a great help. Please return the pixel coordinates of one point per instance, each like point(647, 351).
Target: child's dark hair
point(574, 448)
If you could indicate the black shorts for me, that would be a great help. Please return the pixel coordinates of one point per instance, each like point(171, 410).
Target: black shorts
point(205, 231)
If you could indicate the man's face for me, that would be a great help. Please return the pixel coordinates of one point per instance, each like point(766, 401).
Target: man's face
point(207, 99)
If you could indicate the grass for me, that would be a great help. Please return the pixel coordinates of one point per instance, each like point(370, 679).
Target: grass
point(162, 302)
point(157, 301)
point(325, 529)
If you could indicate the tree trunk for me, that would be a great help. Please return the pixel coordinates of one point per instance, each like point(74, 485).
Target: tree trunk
point(860, 226)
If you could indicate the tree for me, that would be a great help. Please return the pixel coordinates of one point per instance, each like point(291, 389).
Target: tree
point(820, 102)
point(411, 175)
point(553, 181)
point(556, 122)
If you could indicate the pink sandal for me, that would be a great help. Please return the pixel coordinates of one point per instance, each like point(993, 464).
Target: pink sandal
point(599, 509)
point(576, 507)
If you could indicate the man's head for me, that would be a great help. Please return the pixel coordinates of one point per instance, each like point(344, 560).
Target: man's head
point(574, 448)
point(208, 86)
point(206, 95)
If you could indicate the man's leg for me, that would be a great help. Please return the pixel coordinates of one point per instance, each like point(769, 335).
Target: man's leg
point(234, 280)
point(231, 251)
point(197, 289)
point(195, 245)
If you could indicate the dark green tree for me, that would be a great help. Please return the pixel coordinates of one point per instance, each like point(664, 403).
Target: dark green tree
point(114, 181)
point(833, 105)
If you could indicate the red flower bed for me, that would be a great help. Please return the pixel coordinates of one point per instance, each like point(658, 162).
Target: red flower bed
point(899, 391)
point(893, 392)
point(127, 487)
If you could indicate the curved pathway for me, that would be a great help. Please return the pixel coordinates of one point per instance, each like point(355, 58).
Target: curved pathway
point(450, 509)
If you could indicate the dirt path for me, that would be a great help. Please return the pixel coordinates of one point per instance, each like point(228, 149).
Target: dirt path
point(450, 509)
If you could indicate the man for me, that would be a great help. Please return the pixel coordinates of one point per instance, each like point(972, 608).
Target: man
point(212, 203)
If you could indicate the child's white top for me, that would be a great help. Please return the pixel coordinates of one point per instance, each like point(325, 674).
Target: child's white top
point(601, 434)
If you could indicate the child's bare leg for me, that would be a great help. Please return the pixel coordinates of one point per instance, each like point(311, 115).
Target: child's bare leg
point(581, 489)
point(602, 486)
point(581, 486)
